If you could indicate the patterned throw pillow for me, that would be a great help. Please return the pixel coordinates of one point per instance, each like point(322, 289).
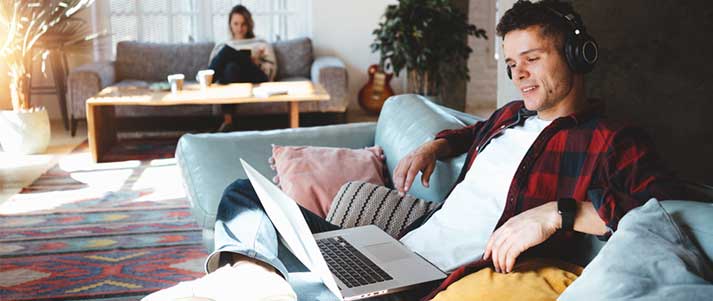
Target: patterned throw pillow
point(361, 203)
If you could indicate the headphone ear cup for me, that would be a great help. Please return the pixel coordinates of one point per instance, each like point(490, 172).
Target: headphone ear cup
point(509, 71)
point(582, 53)
point(569, 53)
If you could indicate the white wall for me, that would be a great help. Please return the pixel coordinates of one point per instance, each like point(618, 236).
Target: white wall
point(343, 29)
point(482, 88)
point(506, 90)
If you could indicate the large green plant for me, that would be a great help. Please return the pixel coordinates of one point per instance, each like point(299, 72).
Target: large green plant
point(23, 24)
point(429, 38)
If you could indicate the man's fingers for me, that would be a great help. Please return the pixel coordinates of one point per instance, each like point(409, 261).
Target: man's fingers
point(494, 258)
point(491, 242)
point(399, 175)
point(504, 255)
point(512, 255)
point(426, 175)
point(410, 175)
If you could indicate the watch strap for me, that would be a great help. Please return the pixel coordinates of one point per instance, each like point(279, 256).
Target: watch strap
point(567, 208)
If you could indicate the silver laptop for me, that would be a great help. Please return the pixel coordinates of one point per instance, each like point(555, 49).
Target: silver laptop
point(353, 263)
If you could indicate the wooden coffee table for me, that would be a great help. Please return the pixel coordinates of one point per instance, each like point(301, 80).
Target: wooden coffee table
point(101, 113)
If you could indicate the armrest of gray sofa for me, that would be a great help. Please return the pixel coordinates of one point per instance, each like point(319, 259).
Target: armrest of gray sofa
point(331, 73)
point(86, 81)
point(210, 162)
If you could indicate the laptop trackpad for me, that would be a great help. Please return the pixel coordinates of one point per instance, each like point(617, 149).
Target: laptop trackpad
point(387, 251)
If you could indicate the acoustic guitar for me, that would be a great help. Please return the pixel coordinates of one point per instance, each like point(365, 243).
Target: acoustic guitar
point(375, 92)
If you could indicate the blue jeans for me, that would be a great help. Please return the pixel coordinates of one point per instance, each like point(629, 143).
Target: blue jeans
point(242, 227)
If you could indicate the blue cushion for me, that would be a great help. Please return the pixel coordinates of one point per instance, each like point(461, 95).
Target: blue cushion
point(405, 123)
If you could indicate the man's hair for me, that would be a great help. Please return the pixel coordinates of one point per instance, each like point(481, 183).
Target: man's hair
point(243, 11)
point(525, 14)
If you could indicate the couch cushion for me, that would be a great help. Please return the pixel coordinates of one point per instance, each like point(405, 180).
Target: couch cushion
point(647, 258)
point(405, 123)
point(294, 58)
point(210, 162)
point(695, 219)
point(154, 61)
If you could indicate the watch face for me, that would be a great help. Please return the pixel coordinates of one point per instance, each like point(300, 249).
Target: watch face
point(567, 205)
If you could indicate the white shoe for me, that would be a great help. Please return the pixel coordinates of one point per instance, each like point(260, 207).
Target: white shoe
point(243, 281)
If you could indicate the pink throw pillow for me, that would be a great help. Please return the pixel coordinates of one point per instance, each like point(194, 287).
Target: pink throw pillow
point(313, 175)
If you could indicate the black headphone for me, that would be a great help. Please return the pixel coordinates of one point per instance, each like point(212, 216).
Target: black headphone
point(580, 49)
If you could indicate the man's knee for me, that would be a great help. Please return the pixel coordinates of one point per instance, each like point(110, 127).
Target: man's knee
point(240, 193)
point(239, 185)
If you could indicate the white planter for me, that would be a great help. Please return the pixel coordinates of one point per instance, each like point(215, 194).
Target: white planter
point(24, 132)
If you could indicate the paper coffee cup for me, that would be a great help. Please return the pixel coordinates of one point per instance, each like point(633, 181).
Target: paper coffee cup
point(176, 82)
point(205, 78)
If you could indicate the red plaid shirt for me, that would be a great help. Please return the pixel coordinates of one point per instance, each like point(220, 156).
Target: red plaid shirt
point(582, 156)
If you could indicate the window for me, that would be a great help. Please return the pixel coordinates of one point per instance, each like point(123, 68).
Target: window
point(184, 21)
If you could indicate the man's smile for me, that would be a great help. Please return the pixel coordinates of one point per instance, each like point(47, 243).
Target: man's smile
point(528, 89)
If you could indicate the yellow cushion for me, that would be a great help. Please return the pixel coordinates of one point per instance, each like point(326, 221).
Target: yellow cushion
point(532, 279)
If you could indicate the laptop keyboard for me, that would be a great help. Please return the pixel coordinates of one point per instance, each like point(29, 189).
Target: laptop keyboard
point(348, 264)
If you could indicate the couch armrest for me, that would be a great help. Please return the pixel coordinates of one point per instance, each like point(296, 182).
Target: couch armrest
point(210, 162)
point(331, 73)
point(86, 81)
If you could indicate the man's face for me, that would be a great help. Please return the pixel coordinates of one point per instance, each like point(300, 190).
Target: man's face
point(539, 70)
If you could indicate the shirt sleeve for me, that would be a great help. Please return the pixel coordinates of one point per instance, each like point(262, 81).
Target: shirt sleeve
point(630, 173)
point(460, 140)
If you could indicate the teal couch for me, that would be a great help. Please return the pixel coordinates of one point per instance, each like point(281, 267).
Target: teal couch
point(209, 162)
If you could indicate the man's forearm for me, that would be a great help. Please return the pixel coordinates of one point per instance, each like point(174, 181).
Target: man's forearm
point(588, 221)
point(441, 148)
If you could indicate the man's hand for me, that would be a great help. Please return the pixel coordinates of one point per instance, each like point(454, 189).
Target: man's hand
point(521, 232)
point(422, 159)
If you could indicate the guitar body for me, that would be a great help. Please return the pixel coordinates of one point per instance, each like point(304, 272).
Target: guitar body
point(375, 92)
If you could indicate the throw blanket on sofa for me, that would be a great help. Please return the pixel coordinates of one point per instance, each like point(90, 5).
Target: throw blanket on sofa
point(257, 47)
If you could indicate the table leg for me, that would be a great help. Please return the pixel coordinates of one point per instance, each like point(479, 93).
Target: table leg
point(101, 124)
point(59, 75)
point(294, 114)
point(227, 110)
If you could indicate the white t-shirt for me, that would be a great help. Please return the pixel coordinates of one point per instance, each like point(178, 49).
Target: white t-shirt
point(458, 232)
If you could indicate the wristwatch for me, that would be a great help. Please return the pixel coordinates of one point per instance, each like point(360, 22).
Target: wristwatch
point(567, 208)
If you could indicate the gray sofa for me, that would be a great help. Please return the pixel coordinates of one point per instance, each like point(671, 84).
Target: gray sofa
point(209, 162)
point(139, 63)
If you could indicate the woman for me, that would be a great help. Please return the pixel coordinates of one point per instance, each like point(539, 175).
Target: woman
point(243, 58)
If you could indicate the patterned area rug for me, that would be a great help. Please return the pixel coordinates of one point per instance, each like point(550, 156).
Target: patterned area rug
point(109, 231)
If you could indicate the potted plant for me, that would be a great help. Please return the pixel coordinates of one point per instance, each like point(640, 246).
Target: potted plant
point(26, 129)
point(429, 39)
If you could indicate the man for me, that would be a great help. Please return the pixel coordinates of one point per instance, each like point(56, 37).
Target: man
point(537, 171)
